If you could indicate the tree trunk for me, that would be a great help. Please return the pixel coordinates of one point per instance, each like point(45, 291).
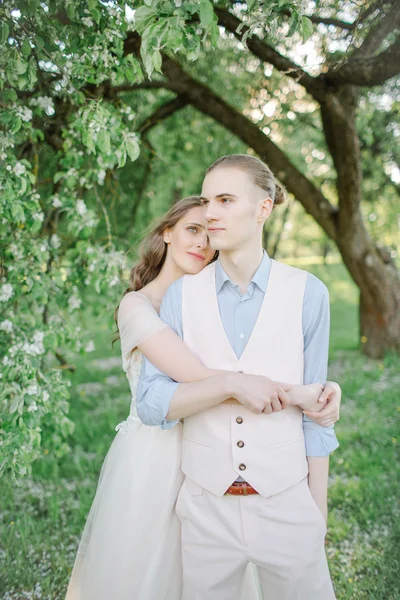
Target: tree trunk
point(372, 269)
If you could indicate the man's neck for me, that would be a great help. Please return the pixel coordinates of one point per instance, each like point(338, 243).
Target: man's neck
point(240, 265)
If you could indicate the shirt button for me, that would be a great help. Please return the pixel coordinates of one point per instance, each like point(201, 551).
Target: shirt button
point(241, 336)
point(242, 467)
point(240, 444)
point(239, 420)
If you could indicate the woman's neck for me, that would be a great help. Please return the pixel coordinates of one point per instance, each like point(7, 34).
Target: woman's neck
point(156, 289)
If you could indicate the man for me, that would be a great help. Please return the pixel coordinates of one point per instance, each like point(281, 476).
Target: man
point(246, 313)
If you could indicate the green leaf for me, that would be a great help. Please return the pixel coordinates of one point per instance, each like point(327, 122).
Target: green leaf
point(4, 31)
point(294, 25)
point(144, 16)
point(17, 213)
point(26, 48)
point(103, 141)
point(16, 125)
point(206, 13)
point(20, 66)
point(132, 148)
point(307, 28)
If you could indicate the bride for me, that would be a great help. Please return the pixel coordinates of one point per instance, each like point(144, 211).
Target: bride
point(130, 546)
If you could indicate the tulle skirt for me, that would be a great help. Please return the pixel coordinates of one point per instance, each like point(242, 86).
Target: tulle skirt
point(131, 546)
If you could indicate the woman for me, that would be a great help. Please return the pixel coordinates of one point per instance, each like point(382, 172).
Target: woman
point(130, 548)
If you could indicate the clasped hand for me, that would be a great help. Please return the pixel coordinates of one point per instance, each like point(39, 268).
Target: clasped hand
point(262, 395)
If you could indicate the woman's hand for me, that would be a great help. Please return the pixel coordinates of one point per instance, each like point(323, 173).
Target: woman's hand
point(332, 395)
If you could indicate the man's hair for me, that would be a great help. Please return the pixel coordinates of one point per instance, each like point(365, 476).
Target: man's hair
point(259, 172)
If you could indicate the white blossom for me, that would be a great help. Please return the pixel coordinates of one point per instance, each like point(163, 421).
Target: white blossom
point(56, 202)
point(7, 291)
point(38, 216)
point(114, 281)
point(45, 103)
point(89, 346)
point(74, 302)
point(46, 396)
point(38, 337)
point(88, 22)
point(81, 208)
point(6, 360)
point(6, 326)
point(55, 241)
point(19, 169)
point(32, 407)
point(101, 175)
point(25, 113)
point(32, 390)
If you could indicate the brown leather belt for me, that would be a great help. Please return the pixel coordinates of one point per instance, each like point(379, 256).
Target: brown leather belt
point(239, 488)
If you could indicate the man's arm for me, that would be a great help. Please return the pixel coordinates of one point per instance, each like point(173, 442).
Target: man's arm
point(320, 441)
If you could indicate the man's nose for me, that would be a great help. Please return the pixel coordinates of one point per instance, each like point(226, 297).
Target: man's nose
point(210, 212)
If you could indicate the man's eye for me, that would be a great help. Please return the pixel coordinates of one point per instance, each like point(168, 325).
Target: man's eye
point(204, 202)
point(225, 200)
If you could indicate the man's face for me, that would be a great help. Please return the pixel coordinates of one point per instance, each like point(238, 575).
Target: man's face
point(231, 208)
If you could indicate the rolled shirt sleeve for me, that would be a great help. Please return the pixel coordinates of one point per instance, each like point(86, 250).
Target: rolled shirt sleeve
point(319, 440)
point(155, 389)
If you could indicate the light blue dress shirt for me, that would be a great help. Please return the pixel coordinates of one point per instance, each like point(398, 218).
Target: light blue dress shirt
point(239, 314)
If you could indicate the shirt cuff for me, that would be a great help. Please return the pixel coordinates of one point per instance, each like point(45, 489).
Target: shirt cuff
point(319, 440)
point(154, 405)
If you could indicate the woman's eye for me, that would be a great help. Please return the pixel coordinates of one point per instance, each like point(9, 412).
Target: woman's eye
point(194, 229)
point(225, 200)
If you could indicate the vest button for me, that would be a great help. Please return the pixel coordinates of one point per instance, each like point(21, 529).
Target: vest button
point(239, 420)
point(240, 444)
point(242, 467)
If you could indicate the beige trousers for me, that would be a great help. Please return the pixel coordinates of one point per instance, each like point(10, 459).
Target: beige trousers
point(282, 535)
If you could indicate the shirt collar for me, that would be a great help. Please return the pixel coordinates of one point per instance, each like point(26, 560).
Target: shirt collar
point(260, 277)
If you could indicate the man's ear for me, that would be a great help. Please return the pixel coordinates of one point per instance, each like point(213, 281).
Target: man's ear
point(167, 236)
point(264, 209)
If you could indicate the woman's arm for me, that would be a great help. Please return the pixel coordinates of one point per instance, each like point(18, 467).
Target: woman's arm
point(202, 388)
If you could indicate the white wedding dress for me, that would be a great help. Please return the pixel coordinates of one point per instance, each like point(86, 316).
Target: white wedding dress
point(130, 547)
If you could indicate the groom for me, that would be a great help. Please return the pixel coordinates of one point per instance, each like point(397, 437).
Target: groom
point(246, 496)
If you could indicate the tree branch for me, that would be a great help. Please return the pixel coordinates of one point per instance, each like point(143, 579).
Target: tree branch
point(268, 54)
point(368, 71)
point(385, 25)
point(164, 111)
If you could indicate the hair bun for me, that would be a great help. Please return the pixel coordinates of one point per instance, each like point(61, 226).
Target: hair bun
point(280, 194)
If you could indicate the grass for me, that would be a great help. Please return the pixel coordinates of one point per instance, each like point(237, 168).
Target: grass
point(42, 519)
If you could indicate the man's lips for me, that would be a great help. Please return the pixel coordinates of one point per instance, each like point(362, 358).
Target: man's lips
point(198, 256)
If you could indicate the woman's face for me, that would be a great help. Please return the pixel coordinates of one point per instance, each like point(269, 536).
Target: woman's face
point(188, 244)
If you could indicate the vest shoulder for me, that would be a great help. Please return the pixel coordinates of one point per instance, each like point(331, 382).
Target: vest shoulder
point(285, 268)
point(314, 284)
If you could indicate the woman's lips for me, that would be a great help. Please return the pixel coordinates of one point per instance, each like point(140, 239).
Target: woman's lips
point(215, 229)
point(198, 256)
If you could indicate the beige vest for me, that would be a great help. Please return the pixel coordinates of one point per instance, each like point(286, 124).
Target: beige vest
point(227, 441)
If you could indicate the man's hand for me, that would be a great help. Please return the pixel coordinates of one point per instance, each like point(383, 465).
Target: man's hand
point(260, 394)
point(332, 395)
